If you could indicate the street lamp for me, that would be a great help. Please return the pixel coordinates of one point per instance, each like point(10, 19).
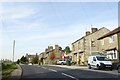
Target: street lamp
point(13, 49)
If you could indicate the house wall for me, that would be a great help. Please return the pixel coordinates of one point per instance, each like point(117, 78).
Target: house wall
point(119, 47)
point(88, 45)
point(110, 48)
point(50, 50)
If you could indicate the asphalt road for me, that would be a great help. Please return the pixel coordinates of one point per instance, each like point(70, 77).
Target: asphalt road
point(52, 72)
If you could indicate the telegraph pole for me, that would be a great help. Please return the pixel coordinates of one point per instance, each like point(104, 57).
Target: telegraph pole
point(13, 49)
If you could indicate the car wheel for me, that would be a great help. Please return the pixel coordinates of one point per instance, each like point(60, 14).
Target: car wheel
point(111, 69)
point(118, 69)
point(98, 67)
point(62, 63)
point(89, 67)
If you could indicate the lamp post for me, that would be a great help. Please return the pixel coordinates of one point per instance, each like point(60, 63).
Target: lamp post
point(13, 49)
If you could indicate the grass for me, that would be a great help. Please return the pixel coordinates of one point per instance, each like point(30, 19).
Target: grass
point(83, 65)
point(7, 69)
point(0, 67)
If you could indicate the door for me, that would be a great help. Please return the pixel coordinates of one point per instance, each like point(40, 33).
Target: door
point(94, 62)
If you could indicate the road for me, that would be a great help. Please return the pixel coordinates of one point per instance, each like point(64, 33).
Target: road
point(53, 72)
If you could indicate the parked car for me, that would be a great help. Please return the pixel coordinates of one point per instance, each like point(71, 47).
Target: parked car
point(99, 62)
point(62, 62)
point(118, 68)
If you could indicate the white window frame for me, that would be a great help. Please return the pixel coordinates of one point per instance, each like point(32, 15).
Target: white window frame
point(111, 39)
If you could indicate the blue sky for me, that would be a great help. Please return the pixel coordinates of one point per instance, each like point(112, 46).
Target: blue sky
point(37, 25)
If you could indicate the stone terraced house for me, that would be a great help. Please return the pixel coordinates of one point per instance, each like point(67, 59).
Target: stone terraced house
point(87, 45)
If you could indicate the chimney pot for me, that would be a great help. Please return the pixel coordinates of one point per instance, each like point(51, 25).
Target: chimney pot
point(94, 30)
point(87, 33)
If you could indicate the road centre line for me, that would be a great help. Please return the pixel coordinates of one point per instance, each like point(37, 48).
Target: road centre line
point(53, 70)
point(44, 67)
point(49, 69)
point(69, 76)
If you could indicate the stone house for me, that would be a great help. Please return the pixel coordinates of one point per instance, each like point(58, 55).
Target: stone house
point(87, 45)
point(30, 57)
point(111, 45)
point(56, 53)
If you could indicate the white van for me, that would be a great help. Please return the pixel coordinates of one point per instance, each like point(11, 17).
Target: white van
point(99, 62)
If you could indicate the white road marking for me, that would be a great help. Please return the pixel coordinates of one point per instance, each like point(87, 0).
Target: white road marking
point(53, 70)
point(69, 76)
point(44, 67)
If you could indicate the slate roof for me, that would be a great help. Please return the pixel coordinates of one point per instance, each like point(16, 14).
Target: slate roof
point(115, 31)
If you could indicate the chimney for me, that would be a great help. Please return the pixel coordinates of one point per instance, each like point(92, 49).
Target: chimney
point(56, 46)
point(51, 47)
point(46, 49)
point(94, 30)
point(87, 33)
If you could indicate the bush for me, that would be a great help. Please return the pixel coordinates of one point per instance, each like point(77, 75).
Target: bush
point(54, 62)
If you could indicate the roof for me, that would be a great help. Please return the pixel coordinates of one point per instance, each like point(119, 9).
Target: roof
point(50, 51)
point(31, 55)
point(42, 53)
point(90, 34)
point(115, 31)
point(78, 40)
point(111, 49)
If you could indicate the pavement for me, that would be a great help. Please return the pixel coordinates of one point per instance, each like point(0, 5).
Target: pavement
point(17, 73)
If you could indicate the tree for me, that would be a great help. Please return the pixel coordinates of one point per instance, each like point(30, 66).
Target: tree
point(60, 48)
point(18, 61)
point(35, 60)
point(23, 59)
point(41, 60)
point(52, 55)
point(67, 49)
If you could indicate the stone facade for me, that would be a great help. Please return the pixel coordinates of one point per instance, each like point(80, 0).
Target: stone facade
point(30, 57)
point(56, 53)
point(87, 45)
point(111, 45)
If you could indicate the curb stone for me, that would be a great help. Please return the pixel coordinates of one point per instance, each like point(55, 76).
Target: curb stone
point(17, 73)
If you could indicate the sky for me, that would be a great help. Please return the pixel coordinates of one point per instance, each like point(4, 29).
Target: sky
point(36, 25)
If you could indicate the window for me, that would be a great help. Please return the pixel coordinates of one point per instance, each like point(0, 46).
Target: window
point(78, 45)
point(111, 39)
point(102, 59)
point(92, 43)
point(115, 54)
point(94, 59)
point(102, 41)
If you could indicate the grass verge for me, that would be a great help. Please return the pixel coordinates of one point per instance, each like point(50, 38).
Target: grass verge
point(7, 69)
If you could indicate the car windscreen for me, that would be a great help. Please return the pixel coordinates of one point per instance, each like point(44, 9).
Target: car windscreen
point(102, 58)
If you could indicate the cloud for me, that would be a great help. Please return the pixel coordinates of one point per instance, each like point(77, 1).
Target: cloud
point(54, 34)
point(13, 11)
point(25, 27)
point(76, 29)
point(35, 34)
